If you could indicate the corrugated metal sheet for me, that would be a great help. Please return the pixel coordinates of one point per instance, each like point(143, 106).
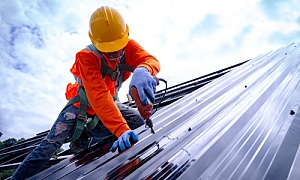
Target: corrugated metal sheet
point(12, 156)
point(242, 125)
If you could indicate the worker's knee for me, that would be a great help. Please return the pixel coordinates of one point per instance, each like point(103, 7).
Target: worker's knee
point(135, 121)
point(132, 116)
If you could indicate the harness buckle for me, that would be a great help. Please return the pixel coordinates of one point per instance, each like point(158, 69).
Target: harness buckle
point(82, 117)
point(114, 75)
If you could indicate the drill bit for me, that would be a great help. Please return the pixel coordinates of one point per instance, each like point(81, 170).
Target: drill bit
point(149, 123)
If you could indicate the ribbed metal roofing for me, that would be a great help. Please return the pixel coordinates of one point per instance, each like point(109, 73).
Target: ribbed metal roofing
point(242, 125)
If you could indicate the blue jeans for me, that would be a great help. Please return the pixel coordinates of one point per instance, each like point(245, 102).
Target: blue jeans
point(60, 131)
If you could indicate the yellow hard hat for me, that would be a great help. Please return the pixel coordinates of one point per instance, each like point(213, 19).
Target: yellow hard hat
point(108, 30)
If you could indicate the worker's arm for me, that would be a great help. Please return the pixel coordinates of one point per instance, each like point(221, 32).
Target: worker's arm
point(146, 66)
point(136, 56)
point(98, 94)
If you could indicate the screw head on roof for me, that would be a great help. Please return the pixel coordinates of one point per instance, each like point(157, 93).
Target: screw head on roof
point(246, 86)
point(292, 112)
point(285, 53)
point(189, 129)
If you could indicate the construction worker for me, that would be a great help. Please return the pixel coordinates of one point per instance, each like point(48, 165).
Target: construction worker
point(110, 43)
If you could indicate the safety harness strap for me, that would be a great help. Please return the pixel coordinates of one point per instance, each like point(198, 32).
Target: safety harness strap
point(92, 122)
point(79, 126)
point(81, 119)
point(107, 71)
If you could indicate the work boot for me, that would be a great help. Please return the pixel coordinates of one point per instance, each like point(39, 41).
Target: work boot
point(81, 143)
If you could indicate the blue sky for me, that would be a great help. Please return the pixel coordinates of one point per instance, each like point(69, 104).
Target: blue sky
point(39, 40)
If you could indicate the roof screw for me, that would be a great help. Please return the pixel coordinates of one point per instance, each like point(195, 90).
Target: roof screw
point(285, 53)
point(292, 112)
point(189, 129)
point(245, 86)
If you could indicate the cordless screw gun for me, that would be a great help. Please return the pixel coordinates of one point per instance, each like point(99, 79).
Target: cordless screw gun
point(145, 111)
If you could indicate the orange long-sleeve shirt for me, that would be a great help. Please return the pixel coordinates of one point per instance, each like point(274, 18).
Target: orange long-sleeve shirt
point(100, 91)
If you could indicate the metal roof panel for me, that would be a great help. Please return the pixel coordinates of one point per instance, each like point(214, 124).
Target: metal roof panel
point(245, 124)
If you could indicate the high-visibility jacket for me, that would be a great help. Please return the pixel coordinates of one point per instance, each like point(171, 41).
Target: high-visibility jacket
point(100, 91)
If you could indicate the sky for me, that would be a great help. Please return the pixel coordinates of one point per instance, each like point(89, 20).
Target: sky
point(191, 38)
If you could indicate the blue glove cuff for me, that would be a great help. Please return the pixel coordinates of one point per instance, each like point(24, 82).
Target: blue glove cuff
point(145, 84)
point(125, 141)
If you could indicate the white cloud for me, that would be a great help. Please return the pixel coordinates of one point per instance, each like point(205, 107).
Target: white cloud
point(39, 40)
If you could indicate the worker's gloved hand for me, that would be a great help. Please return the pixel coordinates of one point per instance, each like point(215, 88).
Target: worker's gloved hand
point(145, 84)
point(125, 141)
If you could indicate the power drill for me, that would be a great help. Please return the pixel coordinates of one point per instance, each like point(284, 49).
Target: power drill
point(145, 111)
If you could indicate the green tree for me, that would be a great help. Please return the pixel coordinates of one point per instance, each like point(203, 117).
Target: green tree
point(1, 145)
point(6, 174)
point(9, 142)
point(20, 140)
